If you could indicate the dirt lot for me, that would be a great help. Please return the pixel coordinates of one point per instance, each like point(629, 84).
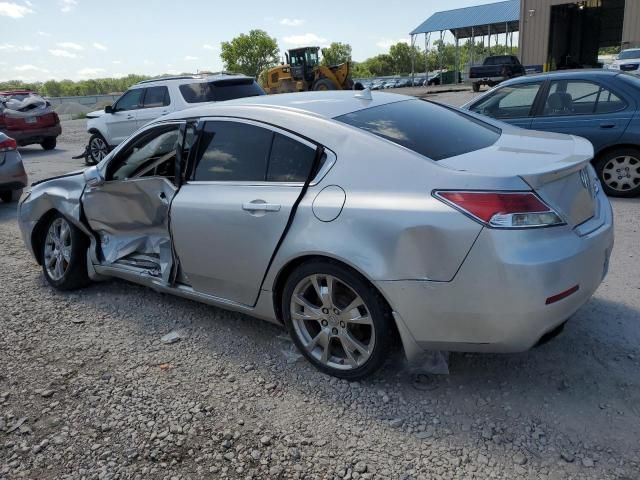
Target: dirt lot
point(88, 390)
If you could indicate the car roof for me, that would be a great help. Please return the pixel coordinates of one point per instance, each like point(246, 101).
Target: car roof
point(327, 104)
point(182, 79)
point(582, 73)
point(631, 49)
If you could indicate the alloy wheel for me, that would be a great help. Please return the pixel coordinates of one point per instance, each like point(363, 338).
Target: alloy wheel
point(332, 322)
point(622, 173)
point(98, 149)
point(57, 249)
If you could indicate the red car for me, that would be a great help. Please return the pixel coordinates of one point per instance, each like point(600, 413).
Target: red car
point(28, 118)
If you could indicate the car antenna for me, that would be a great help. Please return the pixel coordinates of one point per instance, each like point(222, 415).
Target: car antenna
point(364, 94)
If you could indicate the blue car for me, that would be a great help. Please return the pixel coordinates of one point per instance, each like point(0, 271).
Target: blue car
point(600, 105)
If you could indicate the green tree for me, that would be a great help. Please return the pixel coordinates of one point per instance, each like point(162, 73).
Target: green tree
point(360, 70)
point(336, 54)
point(402, 54)
point(380, 65)
point(250, 54)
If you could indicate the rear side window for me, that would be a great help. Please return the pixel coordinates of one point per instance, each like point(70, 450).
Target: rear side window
point(290, 160)
point(156, 97)
point(230, 151)
point(429, 129)
point(220, 90)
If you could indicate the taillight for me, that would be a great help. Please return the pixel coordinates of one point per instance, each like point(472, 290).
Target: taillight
point(8, 144)
point(502, 209)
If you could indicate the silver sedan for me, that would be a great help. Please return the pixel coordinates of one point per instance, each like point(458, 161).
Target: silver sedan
point(13, 178)
point(351, 218)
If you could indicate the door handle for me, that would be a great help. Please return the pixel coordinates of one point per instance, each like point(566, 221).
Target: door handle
point(607, 125)
point(130, 117)
point(261, 206)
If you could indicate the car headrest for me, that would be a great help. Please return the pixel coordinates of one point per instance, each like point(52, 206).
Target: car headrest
point(560, 102)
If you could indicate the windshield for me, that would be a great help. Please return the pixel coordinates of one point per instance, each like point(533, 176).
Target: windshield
point(312, 58)
point(220, 90)
point(432, 130)
point(629, 54)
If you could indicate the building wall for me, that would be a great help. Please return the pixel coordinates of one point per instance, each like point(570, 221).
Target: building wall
point(535, 28)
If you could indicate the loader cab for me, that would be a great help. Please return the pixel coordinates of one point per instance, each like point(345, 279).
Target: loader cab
point(303, 62)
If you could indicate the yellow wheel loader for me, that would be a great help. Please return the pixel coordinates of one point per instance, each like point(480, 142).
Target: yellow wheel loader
point(303, 73)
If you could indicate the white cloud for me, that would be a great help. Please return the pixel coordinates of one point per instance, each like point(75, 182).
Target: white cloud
point(29, 68)
point(118, 75)
point(44, 34)
point(146, 61)
point(207, 46)
point(173, 72)
point(62, 53)
point(67, 5)
point(18, 48)
point(190, 58)
point(14, 10)
point(70, 46)
point(90, 72)
point(307, 39)
point(116, 62)
point(385, 44)
point(99, 46)
point(292, 22)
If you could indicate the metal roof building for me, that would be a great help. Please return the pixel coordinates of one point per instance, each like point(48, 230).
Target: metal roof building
point(500, 17)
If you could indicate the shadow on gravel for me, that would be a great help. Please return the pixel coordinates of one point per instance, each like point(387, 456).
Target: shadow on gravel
point(35, 151)
point(8, 212)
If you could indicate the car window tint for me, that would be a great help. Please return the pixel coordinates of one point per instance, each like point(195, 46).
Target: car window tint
point(514, 101)
point(609, 102)
point(156, 97)
point(130, 100)
point(231, 151)
point(427, 128)
point(220, 90)
point(156, 148)
point(290, 160)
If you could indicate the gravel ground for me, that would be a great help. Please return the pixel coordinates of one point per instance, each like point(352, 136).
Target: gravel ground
point(89, 391)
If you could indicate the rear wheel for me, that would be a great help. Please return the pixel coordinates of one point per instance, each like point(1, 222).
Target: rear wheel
point(476, 87)
point(10, 196)
point(64, 255)
point(619, 172)
point(98, 148)
point(337, 320)
point(49, 143)
point(323, 85)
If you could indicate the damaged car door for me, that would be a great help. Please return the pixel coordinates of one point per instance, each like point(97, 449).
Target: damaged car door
point(243, 181)
point(129, 211)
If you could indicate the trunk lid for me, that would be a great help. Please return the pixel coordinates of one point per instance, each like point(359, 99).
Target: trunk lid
point(555, 166)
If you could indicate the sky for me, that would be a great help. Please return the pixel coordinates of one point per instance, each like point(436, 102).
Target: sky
point(81, 39)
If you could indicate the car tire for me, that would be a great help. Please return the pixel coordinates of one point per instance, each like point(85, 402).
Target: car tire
point(64, 271)
point(619, 172)
point(98, 149)
point(346, 344)
point(11, 196)
point(49, 143)
point(476, 87)
point(323, 85)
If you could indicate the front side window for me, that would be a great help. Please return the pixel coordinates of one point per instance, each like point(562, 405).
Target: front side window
point(231, 151)
point(220, 90)
point(130, 100)
point(156, 97)
point(575, 97)
point(152, 154)
point(509, 102)
point(432, 130)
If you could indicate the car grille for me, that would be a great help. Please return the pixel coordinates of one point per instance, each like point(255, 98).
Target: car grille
point(629, 67)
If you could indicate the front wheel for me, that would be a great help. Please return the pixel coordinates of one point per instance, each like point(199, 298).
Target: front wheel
point(619, 172)
point(11, 196)
point(337, 320)
point(98, 148)
point(476, 87)
point(64, 255)
point(324, 85)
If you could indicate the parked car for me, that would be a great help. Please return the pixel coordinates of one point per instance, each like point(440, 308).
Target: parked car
point(13, 178)
point(339, 218)
point(28, 118)
point(600, 105)
point(378, 85)
point(494, 70)
point(150, 99)
point(628, 61)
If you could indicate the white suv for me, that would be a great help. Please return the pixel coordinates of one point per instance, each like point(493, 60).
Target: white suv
point(627, 61)
point(151, 99)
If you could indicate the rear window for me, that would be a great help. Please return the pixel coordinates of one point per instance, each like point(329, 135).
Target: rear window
point(220, 90)
point(429, 129)
point(630, 79)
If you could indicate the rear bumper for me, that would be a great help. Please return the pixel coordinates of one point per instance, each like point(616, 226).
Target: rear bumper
point(12, 176)
point(497, 301)
point(36, 135)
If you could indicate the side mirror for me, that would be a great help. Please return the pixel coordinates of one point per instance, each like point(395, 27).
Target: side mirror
point(109, 109)
point(93, 177)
